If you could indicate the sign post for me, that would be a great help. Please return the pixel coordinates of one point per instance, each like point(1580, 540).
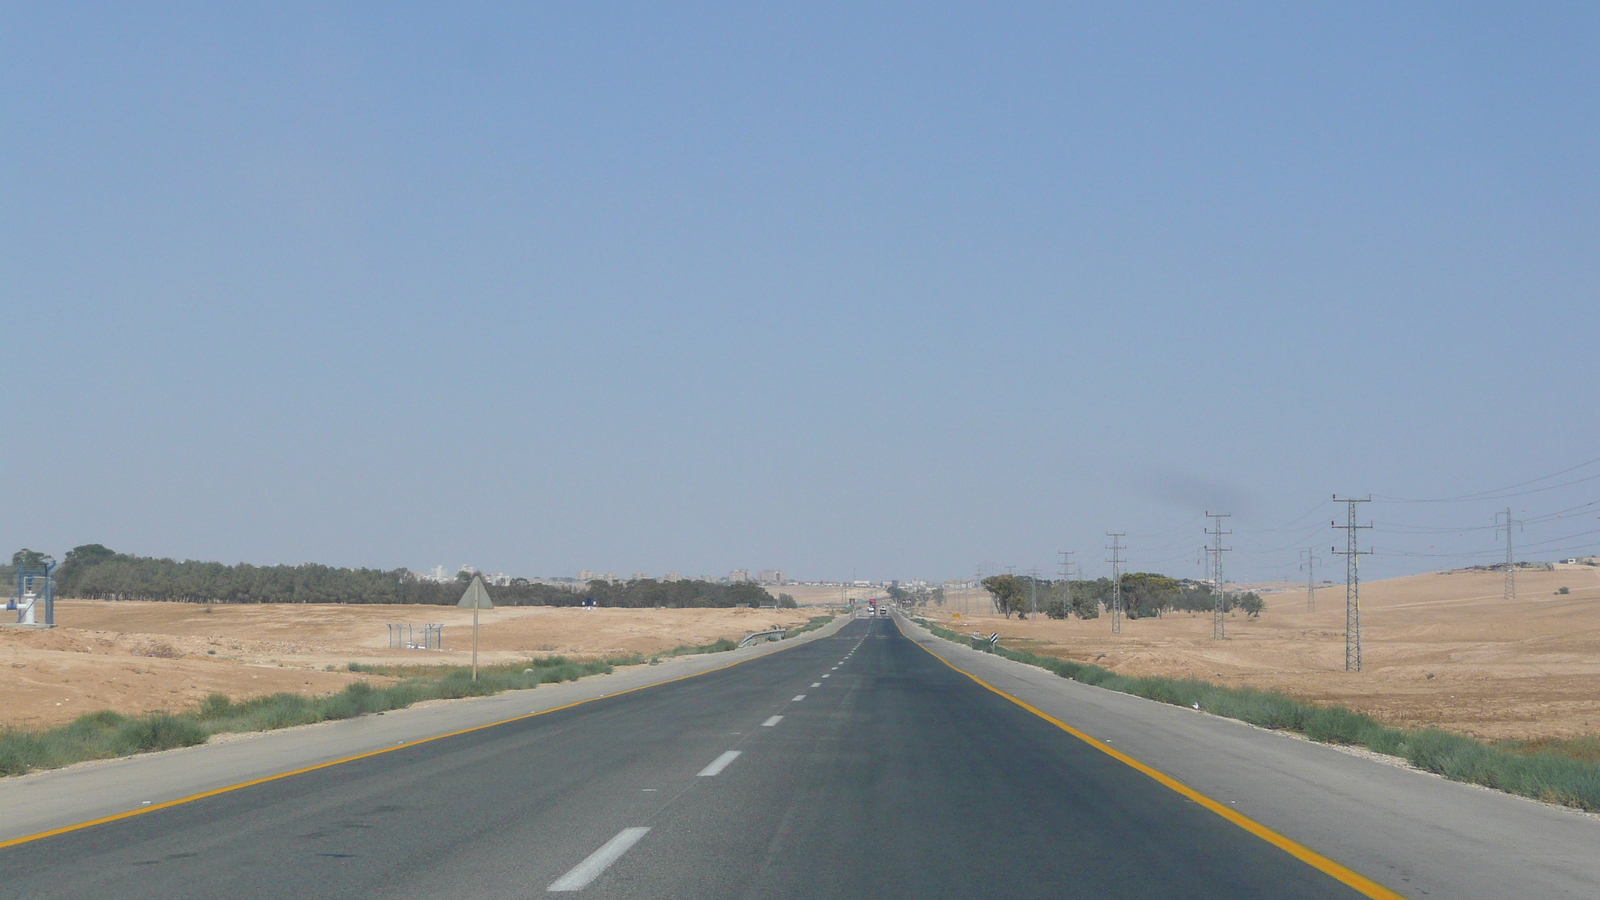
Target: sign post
point(477, 597)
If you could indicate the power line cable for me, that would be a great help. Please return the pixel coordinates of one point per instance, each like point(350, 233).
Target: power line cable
point(1473, 554)
point(1486, 495)
point(1321, 505)
point(1429, 529)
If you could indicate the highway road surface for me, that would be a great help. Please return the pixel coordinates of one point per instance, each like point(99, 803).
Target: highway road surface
point(857, 765)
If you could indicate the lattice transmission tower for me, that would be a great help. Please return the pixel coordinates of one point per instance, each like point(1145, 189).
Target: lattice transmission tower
point(1352, 585)
point(1116, 579)
point(1308, 565)
point(1511, 557)
point(1219, 602)
point(1066, 580)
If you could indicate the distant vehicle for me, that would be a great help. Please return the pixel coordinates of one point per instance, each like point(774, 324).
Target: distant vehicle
point(883, 611)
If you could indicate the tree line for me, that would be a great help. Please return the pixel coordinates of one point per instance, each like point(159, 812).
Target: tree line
point(95, 572)
point(920, 596)
point(1144, 594)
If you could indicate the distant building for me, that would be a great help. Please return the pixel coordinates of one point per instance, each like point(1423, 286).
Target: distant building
point(738, 575)
point(672, 576)
point(770, 576)
point(585, 575)
point(639, 576)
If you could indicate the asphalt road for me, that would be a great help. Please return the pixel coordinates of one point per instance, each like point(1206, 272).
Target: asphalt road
point(856, 765)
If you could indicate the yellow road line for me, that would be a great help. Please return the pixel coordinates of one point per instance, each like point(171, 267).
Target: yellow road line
point(337, 762)
point(1295, 849)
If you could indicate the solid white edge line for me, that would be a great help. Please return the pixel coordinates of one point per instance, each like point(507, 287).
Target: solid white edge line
point(798, 698)
point(772, 721)
point(720, 763)
point(580, 875)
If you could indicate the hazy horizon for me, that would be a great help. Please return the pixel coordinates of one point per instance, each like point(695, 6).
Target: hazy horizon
point(882, 293)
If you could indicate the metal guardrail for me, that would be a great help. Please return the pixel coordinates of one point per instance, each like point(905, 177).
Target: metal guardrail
point(756, 637)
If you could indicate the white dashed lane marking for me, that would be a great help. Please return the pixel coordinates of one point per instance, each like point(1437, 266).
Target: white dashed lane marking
point(798, 698)
point(772, 721)
point(720, 763)
point(579, 877)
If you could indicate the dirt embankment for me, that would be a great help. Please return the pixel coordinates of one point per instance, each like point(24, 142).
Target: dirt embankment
point(133, 657)
point(1442, 649)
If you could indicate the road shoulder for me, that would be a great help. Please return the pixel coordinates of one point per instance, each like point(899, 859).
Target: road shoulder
point(1415, 833)
point(46, 801)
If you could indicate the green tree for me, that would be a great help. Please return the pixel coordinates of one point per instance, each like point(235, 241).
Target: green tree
point(787, 601)
point(31, 559)
point(79, 560)
point(1008, 593)
point(1147, 594)
point(747, 593)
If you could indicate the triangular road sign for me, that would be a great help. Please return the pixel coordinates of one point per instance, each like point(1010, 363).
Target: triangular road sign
point(476, 595)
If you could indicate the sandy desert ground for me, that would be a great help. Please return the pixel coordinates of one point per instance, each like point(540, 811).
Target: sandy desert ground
point(824, 595)
point(132, 657)
point(1441, 649)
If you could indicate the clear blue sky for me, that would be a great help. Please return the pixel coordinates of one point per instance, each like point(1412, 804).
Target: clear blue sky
point(891, 291)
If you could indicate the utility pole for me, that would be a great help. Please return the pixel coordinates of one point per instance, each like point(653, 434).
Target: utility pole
point(1219, 604)
point(1116, 579)
point(1308, 565)
point(1352, 585)
point(1511, 559)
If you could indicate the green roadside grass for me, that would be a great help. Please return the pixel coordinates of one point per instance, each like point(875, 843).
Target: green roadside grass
point(1556, 771)
point(106, 734)
point(812, 625)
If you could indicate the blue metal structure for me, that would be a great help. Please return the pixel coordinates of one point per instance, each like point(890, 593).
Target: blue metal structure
point(34, 592)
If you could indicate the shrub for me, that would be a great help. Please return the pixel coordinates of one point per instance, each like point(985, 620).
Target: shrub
point(159, 731)
point(812, 625)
